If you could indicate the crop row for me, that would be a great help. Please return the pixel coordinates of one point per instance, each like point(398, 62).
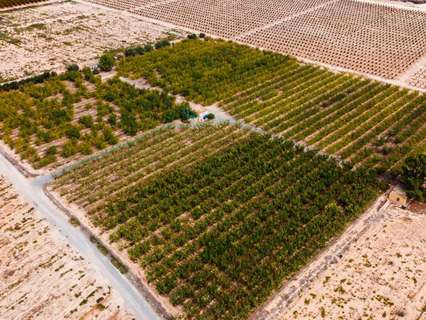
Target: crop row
point(113, 174)
point(205, 71)
point(361, 121)
point(218, 237)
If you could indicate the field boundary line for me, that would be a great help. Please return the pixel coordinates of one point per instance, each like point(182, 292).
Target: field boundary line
point(276, 22)
point(130, 275)
point(284, 297)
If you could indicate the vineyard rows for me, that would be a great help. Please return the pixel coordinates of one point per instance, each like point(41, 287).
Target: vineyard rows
point(205, 71)
point(358, 120)
point(361, 121)
point(97, 181)
point(219, 236)
point(219, 216)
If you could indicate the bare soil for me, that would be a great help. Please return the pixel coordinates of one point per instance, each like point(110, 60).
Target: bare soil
point(48, 37)
point(381, 276)
point(40, 275)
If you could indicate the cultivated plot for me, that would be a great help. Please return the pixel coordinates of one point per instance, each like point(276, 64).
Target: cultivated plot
point(226, 18)
point(40, 275)
point(48, 37)
point(75, 114)
point(361, 121)
point(204, 71)
point(418, 79)
point(94, 183)
point(382, 275)
point(368, 38)
point(220, 228)
point(375, 39)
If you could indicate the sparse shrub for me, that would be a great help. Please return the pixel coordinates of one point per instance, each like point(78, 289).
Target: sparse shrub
point(162, 44)
point(106, 62)
point(73, 67)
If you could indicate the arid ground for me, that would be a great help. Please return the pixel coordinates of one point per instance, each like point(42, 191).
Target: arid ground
point(381, 276)
point(48, 37)
point(41, 277)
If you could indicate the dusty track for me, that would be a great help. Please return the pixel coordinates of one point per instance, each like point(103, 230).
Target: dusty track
point(32, 192)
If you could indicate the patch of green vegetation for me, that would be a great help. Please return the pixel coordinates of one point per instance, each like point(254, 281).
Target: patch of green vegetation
point(203, 70)
point(45, 112)
point(219, 237)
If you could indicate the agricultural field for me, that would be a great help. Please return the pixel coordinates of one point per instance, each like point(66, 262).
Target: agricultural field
point(216, 219)
point(418, 79)
point(226, 18)
point(197, 251)
point(94, 182)
point(40, 275)
point(76, 113)
point(364, 122)
point(381, 276)
point(12, 3)
point(380, 39)
point(204, 71)
point(48, 37)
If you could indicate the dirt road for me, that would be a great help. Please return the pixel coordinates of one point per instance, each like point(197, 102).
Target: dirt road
point(32, 191)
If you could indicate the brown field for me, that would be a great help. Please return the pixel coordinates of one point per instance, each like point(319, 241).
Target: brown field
point(226, 18)
point(40, 275)
point(47, 37)
point(419, 78)
point(368, 38)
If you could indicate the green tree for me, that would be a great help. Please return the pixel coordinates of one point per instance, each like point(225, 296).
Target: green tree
point(106, 62)
point(414, 176)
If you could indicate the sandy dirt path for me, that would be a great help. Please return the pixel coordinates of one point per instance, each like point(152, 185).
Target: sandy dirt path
point(32, 192)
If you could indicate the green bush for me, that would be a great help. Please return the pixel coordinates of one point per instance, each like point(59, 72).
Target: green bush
point(86, 121)
point(414, 176)
point(210, 116)
point(162, 44)
point(73, 67)
point(73, 133)
point(106, 62)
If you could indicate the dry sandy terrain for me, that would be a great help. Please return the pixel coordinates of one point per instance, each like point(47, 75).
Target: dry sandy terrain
point(48, 37)
point(381, 276)
point(40, 275)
